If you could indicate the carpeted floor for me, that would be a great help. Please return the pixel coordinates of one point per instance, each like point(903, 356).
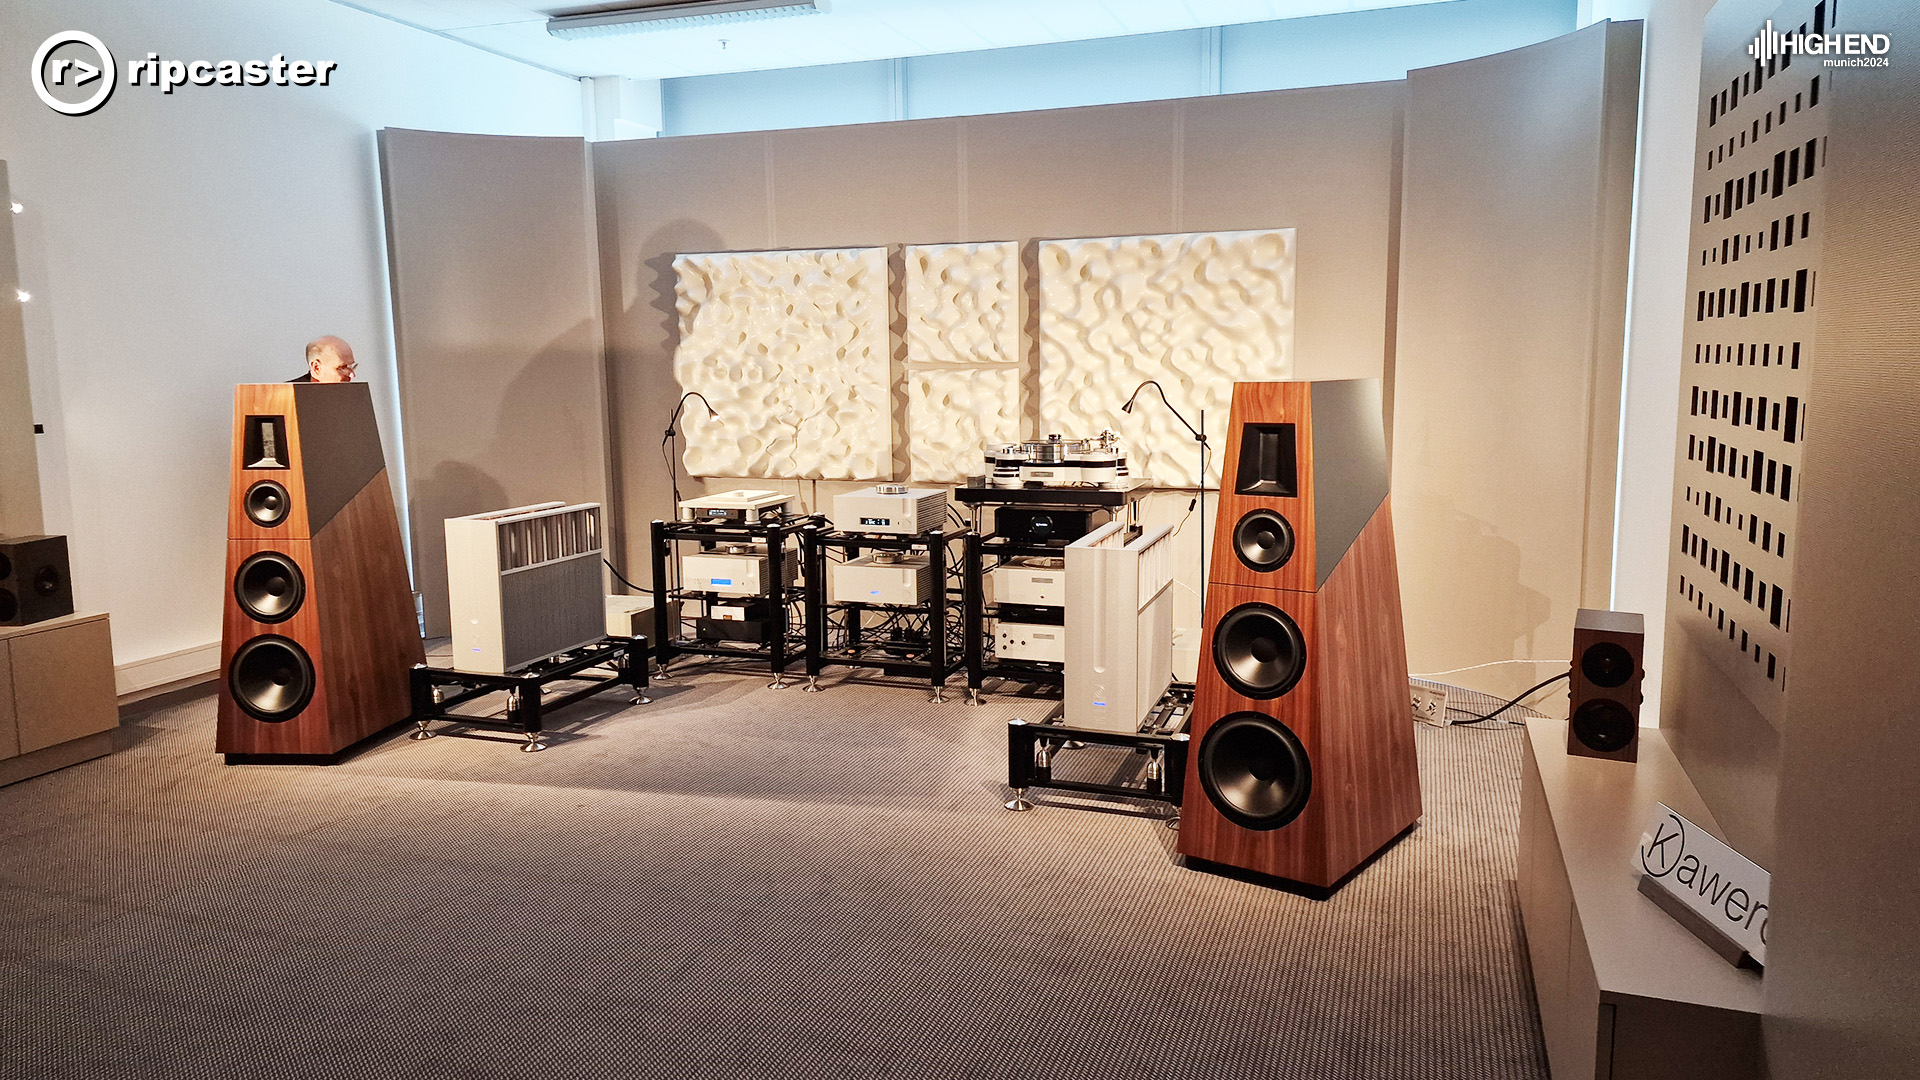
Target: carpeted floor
point(730, 882)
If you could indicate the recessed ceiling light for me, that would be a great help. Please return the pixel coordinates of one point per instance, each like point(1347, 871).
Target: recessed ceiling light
point(677, 14)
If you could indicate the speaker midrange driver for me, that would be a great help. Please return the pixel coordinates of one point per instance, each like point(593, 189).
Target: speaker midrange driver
point(271, 678)
point(1259, 650)
point(1263, 540)
point(1255, 771)
point(267, 503)
point(269, 587)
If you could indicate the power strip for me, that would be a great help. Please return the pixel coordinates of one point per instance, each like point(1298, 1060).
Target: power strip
point(1429, 704)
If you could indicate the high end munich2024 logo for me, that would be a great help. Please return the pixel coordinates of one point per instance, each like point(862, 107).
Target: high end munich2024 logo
point(74, 72)
point(1835, 50)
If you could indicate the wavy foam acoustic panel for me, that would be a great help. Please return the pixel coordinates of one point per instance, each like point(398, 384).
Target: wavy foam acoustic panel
point(955, 412)
point(795, 350)
point(1197, 311)
point(965, 319)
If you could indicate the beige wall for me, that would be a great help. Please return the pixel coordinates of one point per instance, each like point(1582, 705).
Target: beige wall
point(498, 331)
point(1508, 351)
point(19, 465)
point(1323, 161)
point(1842, 996)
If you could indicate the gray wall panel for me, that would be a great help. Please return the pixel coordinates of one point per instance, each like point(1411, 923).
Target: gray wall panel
point(1842, 994)
point(501, 353)
point(1506, 386)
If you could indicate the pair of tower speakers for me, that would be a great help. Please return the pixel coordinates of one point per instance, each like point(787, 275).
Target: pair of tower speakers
point(1305, 765)
point(319, 633)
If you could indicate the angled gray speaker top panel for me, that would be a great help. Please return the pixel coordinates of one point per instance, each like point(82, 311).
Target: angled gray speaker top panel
point(1349, 466)
point(339, 445)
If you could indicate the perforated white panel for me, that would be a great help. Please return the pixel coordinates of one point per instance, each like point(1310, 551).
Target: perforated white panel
point(965, 313)
point(795, 351)
point(1197, 312)
point(1759, 186)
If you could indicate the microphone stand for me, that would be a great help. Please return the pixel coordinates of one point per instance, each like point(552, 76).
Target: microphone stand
point(670, 445)
point(1200, 499)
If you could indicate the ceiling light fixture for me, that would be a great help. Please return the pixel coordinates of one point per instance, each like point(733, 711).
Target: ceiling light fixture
point(675, 15)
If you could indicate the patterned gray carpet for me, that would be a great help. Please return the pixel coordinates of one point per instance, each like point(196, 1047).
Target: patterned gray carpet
point(731, 882)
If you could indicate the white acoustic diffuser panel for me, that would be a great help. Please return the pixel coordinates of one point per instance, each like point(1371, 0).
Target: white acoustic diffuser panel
point(965, 317)
point(1119, 626)
point(795, 350)
point(1196, 311)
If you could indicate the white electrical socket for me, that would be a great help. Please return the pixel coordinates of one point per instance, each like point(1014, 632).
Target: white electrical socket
point(1429, 704)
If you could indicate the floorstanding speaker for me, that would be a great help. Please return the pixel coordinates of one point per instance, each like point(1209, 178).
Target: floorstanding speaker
point(320, 633)
point(1603, 711)
point(1304, 767)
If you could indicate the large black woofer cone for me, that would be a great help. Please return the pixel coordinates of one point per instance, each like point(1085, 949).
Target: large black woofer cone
point(1255, 771)
point(269, 587)
point(1607, 664)
point(267, 503)
point(271, 678)
point(1258, 650)
point(1263, 540)
point(1604, 726)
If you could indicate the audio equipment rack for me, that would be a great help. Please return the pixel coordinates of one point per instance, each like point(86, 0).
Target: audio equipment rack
point(624, 657)
point(784, 624)
point(983, 550)
point(838, 632)
point(1162, 738)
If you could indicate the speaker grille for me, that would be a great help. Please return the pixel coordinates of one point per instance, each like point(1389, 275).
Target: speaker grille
point(271, 678)
point(269, 587)
point(1603, 726)
point(1263, 540)
point(1259, 651)
point(1255, 771)
point(267, 503)
point(1607, 664)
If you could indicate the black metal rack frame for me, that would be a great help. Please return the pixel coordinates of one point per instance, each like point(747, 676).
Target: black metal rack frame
point(1031, 748)
point(837, 633)
point(785, 641)
point(625, 657)
point(982, 546)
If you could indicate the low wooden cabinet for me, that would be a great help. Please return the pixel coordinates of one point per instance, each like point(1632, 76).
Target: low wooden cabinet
point(57, 702)
point(1625, 992)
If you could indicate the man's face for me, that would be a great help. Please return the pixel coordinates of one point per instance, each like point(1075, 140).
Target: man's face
point(333, 366)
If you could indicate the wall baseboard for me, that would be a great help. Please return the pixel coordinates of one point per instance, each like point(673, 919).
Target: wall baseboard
point(168, 671)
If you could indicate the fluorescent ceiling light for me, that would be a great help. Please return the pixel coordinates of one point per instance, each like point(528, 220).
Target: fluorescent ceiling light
point(677, 14)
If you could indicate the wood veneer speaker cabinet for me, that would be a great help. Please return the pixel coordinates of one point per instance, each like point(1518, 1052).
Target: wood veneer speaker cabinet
point(1305, 764)
point(319, 631)
point(57, 705)
point(1625, 992)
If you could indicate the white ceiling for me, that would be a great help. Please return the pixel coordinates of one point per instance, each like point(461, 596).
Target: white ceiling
point(852, 30)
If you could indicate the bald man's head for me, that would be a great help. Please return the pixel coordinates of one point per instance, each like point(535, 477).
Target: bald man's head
point(330, 359)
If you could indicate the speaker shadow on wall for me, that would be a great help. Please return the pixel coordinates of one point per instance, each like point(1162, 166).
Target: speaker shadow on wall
point(1505, 618)
point(640, 381)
